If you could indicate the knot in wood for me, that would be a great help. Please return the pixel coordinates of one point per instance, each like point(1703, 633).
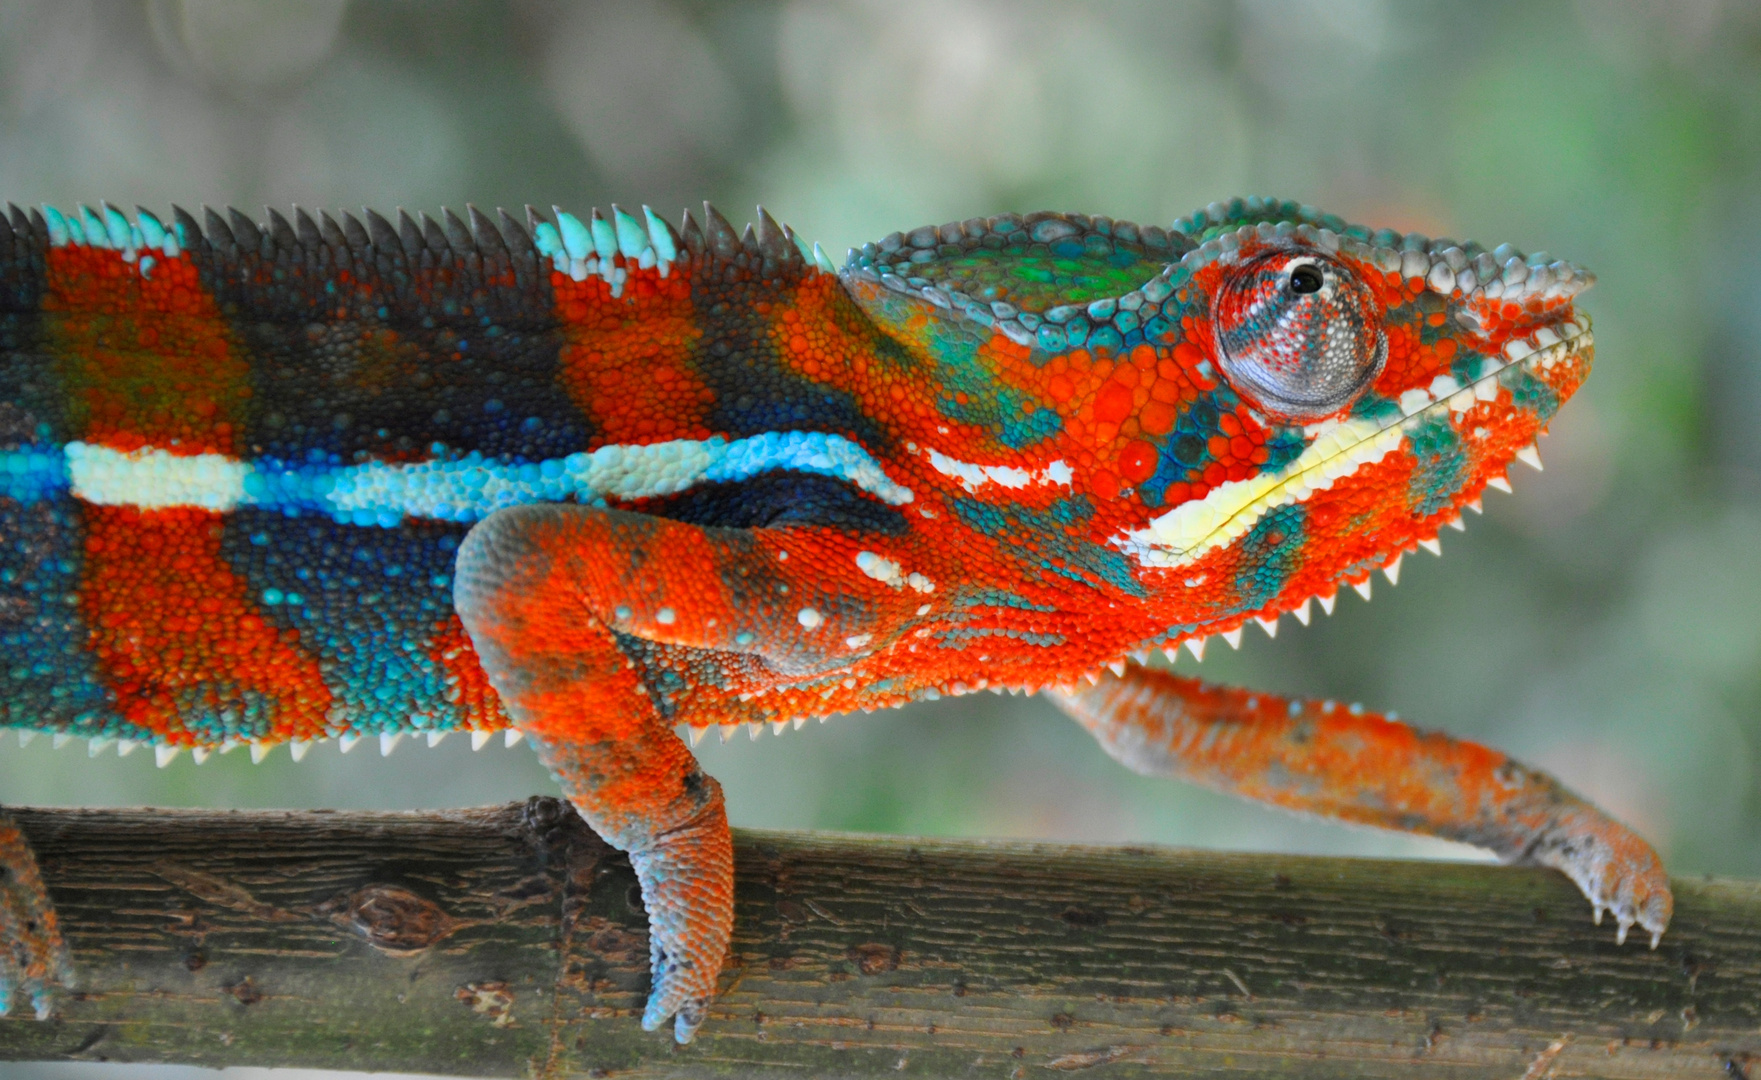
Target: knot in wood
point(557, 832)
point(875, 957)
point(396, 920)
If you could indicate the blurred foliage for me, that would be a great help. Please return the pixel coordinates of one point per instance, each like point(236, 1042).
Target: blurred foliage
point(1605, 622)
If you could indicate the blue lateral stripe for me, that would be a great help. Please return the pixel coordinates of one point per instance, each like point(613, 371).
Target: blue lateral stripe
point(463, 489)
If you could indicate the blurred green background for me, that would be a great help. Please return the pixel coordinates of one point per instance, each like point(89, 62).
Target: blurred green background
point(1604, 622)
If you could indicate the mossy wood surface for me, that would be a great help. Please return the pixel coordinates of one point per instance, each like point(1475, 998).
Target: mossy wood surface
point(509, 941)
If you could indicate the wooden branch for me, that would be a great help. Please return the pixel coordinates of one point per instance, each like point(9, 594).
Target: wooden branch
point(509, 941)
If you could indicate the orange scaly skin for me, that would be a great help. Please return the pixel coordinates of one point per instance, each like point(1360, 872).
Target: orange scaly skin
point(602, 480)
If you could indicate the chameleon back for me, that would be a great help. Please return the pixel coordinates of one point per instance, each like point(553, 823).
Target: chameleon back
point(238, 461)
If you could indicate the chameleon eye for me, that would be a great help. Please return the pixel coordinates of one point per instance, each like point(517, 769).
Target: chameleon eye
point(1298, 335)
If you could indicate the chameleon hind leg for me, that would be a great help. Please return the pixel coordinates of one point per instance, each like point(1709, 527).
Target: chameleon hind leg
point(557, 600)
point(1360, 767)
point(34, 961)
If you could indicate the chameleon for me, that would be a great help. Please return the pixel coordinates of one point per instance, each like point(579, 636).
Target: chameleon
point(605, 484)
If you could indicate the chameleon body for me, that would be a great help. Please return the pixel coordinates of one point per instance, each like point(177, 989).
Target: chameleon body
point(601, 481)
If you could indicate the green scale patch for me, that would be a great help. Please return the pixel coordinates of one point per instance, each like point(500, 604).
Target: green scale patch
point(1030, 263)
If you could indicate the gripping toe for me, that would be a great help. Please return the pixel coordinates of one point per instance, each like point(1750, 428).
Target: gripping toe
point(678, 994)
point(1614, 868)
point(687, 880)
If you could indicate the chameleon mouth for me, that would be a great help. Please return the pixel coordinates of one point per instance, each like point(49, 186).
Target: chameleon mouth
point(1340, 448)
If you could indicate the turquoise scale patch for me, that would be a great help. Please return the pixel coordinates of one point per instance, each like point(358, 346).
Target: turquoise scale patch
point(1015, 418)
point(1059, 551)
point(1269, 554)
point(959, 637)
point(1441, 466)
point(971, 597)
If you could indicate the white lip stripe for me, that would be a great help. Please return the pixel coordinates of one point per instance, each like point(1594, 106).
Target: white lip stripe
point(1336, 449)
point(465, 489)
point(1193, 528)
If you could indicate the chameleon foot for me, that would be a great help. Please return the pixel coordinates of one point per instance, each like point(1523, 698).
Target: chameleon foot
point(687, 885)
point(1616, 870)
point(33, 958)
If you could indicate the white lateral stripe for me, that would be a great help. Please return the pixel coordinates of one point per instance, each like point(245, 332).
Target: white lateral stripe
point(153, 479)
point(804, 451)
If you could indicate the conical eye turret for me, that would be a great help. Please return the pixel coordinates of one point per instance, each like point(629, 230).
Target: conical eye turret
point(1298, 334)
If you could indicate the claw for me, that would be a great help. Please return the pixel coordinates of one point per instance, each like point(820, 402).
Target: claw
point(685, 1026)
point(669, 1000)
point(688, 933)
point(687, 1018)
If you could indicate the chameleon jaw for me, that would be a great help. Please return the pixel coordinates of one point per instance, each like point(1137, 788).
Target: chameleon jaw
point(1337, 449)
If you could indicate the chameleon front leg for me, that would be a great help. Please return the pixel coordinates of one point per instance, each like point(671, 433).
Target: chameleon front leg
point(1363, 768)
point(34, 959)
point(544, 592)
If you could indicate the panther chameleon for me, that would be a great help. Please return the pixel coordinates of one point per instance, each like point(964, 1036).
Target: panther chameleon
point(605, 484)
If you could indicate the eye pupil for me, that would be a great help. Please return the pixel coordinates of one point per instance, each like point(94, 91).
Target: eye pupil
point(1305, 279)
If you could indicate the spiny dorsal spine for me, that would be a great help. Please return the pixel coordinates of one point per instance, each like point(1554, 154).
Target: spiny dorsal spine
point(420, 269)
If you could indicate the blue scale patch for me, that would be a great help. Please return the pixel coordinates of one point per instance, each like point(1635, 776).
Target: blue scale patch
point(48, 679)
point(367, 387)
point(32, 473)
point(367, 602)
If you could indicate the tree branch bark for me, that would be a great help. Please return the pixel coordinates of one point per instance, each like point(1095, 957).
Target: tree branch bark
point(509, 941)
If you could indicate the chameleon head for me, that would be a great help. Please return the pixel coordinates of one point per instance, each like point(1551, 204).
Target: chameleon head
point(1246, 410)
point(1353, 391)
